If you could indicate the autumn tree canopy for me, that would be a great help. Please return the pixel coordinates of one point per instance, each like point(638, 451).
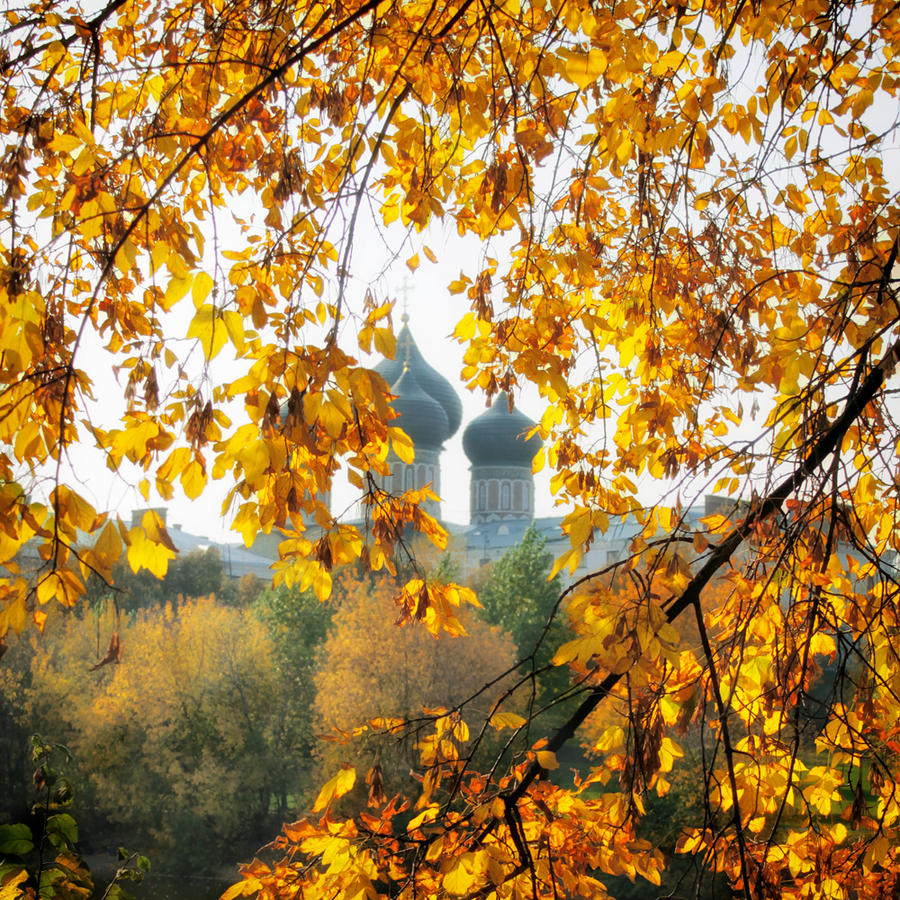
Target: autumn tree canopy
point(689, 239)
point(189, 738)
point(368, 668)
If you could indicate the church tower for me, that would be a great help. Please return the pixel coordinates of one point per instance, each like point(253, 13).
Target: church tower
point(502, 486)
point(430, 413)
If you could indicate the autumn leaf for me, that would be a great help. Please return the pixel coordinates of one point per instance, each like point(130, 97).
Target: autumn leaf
point(113, 653)
point(336, 786)
point(507, 720)
point(677, 232)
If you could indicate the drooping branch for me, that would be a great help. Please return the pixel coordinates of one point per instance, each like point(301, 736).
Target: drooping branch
point(827, 444)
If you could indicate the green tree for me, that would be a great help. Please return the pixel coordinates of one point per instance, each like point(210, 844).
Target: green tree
point(297, 624)
point(197, 573)
point(519, 597)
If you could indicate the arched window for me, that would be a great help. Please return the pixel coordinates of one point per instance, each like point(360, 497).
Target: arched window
point(482, 496)
point(504, 495)
point(517, 496)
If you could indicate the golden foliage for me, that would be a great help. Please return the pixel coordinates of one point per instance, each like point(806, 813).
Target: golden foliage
point(699, 235)
point(371, 670)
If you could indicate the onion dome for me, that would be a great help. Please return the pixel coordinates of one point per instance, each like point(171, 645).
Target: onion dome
point(497, 437)
point(430, 380)
point(421, 416)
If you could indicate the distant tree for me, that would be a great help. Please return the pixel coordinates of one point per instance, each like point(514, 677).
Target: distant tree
point(518, 597)
point(370, 668)
point(297, 624)
point(183, 741)
point(14, 757)
point(197, 573)
point(40, 853)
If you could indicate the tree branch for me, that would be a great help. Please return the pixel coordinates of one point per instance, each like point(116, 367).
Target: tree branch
point(767, 506)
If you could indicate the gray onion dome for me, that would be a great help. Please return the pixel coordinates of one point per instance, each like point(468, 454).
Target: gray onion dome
point(497, 437)
point(430, 380)
point(421, 416)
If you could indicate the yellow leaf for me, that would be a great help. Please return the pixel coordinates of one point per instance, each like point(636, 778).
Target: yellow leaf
point(401, 444)
point(74, 509)
point(321, 583)
point(547, 760)
point(465, 328)
point(578, 525)
point(209, 328)
point(429, 814)
point(507, 720)
point(458, 286)
point(667, 518)
point(108, 547)
point(12, 888)
point(335, 787)
point(242, 888)
point(612, 738)
point(203, 284)
point(582, 68)
point(13, 615)
point(234, 326)
point(145, 553)
point(561, 562)
point(193, 479)
point(390, 210)
point(385, 342)
point(459, 878)
point(434, 849)
point(176, 289)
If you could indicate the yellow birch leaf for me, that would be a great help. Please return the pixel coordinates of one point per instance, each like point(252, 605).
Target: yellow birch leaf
point(108, 547)
point(144, 553)
point(335, 787)
point(321, 583)
point(578, 525)
point(203, 284)
point(193, 479)
point(13, 888)
point(385, 342)
point(507, 720)
point(234, 326)
point(582, 68)
point(547, 760)
point(434, 849)
point(401, 444)
point(209, 328)
point(13, 615)
point(175, 290)
point(561, 562)
point(459, 878)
